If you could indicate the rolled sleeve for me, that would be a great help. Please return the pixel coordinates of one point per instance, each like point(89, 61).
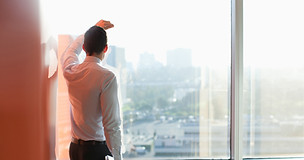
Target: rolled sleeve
point(111, 116)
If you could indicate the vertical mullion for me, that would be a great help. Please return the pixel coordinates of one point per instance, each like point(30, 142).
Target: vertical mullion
point(236, 141)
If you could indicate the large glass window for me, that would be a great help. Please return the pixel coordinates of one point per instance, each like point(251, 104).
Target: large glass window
point(174, 86)
point(173, 63)
point(273, 78)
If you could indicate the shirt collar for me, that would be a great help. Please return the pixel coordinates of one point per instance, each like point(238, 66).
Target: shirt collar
point(92, 59)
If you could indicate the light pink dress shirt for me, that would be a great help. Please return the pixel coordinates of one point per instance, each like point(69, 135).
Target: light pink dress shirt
point(95, 111)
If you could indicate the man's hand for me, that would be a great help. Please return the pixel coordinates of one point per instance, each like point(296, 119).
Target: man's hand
point(104, 24)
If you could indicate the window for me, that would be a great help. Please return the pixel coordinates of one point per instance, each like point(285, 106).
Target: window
point(273, 78)
point(175, 62)
point(175, 90)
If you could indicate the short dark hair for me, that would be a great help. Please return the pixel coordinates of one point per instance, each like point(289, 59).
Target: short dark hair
point(95, 40)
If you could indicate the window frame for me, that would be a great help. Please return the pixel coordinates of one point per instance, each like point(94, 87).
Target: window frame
point(236, 90)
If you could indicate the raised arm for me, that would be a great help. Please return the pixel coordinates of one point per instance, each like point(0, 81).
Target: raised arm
point(70, 56)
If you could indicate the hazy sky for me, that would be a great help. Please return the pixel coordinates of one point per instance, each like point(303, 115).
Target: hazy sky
point(273, 30)
point(152, 26)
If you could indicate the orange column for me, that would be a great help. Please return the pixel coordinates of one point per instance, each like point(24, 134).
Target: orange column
point(25, 128)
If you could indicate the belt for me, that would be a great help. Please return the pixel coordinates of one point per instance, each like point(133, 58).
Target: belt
point(92, 142)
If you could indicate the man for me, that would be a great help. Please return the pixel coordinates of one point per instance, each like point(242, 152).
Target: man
point(95, 112)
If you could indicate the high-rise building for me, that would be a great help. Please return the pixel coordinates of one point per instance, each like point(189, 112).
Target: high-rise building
point(147, 60)
point(116, 62)
point(116, 57)
point(179, 58)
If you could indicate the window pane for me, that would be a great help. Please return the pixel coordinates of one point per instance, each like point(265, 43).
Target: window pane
point(175, 79)
point(273, 78)
point(172, 59)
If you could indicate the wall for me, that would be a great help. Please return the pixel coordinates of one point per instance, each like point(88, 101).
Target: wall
point(26, 94)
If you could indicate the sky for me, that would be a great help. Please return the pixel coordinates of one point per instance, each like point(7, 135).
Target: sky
point(153, 26)
point(273, 31)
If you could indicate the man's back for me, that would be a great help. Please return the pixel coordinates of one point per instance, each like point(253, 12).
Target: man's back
point(86, 82)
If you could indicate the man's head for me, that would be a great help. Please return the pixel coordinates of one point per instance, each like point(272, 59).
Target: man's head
point(95, 41)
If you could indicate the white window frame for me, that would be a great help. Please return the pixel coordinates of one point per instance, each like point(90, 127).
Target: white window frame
point(236, 129)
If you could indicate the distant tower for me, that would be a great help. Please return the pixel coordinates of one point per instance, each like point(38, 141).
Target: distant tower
point(147, 60)
point(179, 58)
point(116, 57)
point(117, 62)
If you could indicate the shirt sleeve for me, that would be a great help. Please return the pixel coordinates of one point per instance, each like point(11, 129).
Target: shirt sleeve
point(70, 56)
point(111, 117)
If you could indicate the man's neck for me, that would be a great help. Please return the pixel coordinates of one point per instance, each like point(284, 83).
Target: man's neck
point(97, 56)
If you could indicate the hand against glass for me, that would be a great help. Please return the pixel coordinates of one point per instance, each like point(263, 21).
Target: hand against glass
point(104, 24)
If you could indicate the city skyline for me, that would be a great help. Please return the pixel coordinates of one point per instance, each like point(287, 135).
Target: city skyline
point(273, 98)
point(139, 29)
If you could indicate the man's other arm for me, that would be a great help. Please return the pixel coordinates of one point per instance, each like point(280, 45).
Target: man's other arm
point(111, 116)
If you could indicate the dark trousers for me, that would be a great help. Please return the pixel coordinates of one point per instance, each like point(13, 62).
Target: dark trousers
point(88, 151)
